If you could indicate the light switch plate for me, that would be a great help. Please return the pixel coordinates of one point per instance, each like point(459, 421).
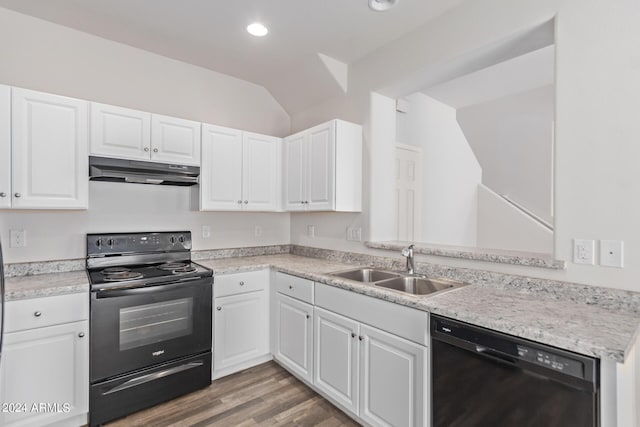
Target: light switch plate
point(612, 253)
point(311, 230)
point(257, 230)
point(206, 231)
point(18, 238)
point(583, 251)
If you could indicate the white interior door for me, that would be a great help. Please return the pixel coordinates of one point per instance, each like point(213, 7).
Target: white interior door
point(408, 191)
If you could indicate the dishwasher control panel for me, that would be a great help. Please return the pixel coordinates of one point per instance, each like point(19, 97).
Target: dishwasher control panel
point(551, 361)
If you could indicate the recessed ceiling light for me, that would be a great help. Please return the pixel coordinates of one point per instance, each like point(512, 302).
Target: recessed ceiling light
point(381, 5)
point(257, 29)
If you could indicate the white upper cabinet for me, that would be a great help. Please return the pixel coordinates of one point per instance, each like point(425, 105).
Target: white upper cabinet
point(221, 172)
point(175, 140)
point(49, 160)
point(323, 168)
point(261, 172)
point(240, 170)
point(138, 135)
point(120, 132)
point(5, 146)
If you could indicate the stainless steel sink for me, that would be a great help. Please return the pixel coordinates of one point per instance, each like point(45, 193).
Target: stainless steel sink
point(401, 282)
point(366, 275)
point(419, 285)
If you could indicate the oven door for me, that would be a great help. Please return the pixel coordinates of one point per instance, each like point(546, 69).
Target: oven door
point(140, 327)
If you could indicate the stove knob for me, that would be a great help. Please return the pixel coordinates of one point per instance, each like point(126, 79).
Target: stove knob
point(182, 239)
point(99, 243)
point(172, 239)
point(110, 242)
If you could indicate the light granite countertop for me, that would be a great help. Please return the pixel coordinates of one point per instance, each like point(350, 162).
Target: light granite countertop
point(589, 329)
point(46, 285)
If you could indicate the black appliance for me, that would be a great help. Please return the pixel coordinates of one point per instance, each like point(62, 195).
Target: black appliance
point(150, 321)
point(485, 378)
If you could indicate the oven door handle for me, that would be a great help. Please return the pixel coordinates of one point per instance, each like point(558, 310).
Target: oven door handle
point(134, 382)
point(124, 291)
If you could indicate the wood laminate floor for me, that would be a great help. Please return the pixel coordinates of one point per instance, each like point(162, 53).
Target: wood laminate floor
point(265, 395)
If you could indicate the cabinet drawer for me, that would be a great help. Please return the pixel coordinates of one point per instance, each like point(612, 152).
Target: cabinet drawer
point(295, 287)
point(240, 283)
point(40, 312)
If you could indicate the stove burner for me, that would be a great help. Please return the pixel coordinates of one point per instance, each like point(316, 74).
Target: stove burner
point(177, 267)
point(122, 276)
point(114, 270)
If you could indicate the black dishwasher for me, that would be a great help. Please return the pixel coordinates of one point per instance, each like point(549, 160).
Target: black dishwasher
point(482, 378)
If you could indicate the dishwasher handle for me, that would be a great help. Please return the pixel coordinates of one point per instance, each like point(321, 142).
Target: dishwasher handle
point(494, 354)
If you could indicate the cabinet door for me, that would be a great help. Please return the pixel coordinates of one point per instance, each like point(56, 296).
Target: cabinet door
point(294, 336)
point(175, 140)
point(295, 174)
point(221, 171)
point(336, 358)
point(240, 330)
point(5, 146)
point(261, 167)
point(321, 172)
point(120, 132)
point(49, 151)
point(45, 366)
point(392, 380)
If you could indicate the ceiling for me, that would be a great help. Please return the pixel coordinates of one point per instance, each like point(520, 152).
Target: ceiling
point(211, 34)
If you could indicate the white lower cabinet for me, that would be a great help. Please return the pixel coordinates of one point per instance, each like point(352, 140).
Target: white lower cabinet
point(241, 319)
point(294, 338)
point(44, 371)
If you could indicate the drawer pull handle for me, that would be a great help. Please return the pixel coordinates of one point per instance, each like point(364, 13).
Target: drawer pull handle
point(81, 335)
point(353, 335)
point(37, 314)
point(219, 308)
point(241, 283)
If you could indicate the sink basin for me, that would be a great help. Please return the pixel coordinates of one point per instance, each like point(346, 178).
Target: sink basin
point(366, 275)
point(419, 285)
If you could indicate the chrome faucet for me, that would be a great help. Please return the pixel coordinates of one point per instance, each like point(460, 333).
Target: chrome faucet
point(408, 253)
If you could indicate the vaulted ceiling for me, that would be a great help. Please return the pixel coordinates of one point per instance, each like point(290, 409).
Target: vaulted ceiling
point(211, 34)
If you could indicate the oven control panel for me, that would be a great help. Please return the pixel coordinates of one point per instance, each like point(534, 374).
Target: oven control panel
point(123, 243)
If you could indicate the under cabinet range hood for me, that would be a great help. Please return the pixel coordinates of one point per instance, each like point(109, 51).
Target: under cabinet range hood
point(139, 172)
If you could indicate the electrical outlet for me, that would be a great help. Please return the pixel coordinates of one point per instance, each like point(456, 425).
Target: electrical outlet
point(311, 230)
point(583, 251)
point(18, 238)
point(612, 253)
point(206, 231)
point(257, 231)
point(354, 234)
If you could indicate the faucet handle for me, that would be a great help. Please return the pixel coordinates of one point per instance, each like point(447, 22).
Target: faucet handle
point(408, 251)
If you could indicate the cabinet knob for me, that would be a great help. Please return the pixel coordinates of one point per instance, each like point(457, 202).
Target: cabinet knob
point(146, 149)
point(308, 316)
point(239, 202)
point(37, 314)
point(246, 201)
point(241, 283)
point(155, 150)
point(290, 286)
point(3, 194)
point(81, 334)
point(219, 308)
point(360, 337)
point(18, 195)
point(353, 334)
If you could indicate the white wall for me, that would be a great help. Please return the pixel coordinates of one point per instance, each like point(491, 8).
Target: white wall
point(597, 100)
point(117, 207)
point(43, 56)
point(512, 139)
point(450, 172)
point(503, 226)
